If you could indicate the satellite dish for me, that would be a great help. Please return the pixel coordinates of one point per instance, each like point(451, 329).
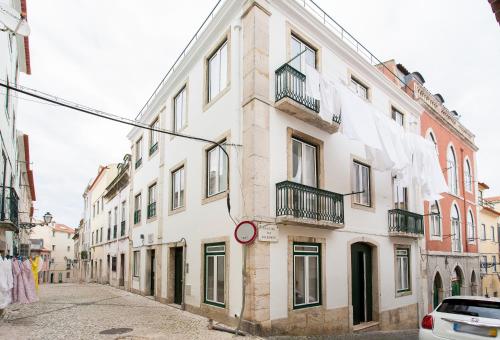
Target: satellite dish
point(13, 21)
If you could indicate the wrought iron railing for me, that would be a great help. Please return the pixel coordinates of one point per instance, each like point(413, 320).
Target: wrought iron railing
point(9, 202)
point(122, 229)
point(291, 83)
point(485, 203)
point(302, 201)
point(152, 210)
point(402, 221)
point(153, 148)
point(137, 216)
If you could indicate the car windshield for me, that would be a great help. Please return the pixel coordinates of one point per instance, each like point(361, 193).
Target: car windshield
point(482, 309)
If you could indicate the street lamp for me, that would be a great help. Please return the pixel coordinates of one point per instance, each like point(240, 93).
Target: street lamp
point(47, 219)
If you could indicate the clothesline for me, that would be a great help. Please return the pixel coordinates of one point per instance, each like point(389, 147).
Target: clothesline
point(412, 159)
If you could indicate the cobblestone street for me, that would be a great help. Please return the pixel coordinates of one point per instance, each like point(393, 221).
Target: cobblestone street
point(74, 311)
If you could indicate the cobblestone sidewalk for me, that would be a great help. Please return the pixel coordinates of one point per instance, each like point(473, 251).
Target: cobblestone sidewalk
point(74, 311)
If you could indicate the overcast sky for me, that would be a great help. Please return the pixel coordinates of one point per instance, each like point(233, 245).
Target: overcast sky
point(111, 55)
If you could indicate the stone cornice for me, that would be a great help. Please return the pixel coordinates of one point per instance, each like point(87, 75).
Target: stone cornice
point(441, 113)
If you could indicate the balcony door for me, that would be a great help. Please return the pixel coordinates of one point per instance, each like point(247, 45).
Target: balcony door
point(305, 54)
point(400, 196)
point(304, 171)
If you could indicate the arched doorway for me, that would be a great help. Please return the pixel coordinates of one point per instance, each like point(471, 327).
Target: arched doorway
point(437, 291)
point(473, 284)
point(456, 282)
point(361, 283)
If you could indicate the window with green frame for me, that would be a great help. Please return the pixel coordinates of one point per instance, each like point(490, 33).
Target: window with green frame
point(402, 270)
point(306, 274)
point(215, 266)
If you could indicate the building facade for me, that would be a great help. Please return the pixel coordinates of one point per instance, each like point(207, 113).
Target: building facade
point(57, 239)
point(14, 58)
point(98, 222)
point(116, 207)
point(489, 229)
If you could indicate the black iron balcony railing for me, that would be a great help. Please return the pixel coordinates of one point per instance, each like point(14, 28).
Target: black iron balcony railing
point(9, 201)
point(291, 83)
point(402, 221)
point(302, 201)
point(122, 229)
point(152, 210)
point(137, 216)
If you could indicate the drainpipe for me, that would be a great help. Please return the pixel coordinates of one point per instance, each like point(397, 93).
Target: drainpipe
point(465, 205)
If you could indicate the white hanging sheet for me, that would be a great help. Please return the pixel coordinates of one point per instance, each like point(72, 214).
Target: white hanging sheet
point(330, 100)
point(312, 82)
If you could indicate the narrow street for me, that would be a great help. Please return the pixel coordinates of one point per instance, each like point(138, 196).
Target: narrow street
point(89, 311)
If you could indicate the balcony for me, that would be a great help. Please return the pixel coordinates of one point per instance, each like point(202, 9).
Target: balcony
point(303, 205)
point(9, 214)
point(405, 223)
point(291, 98)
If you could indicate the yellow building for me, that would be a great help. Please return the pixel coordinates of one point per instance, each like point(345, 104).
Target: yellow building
point(489, 237)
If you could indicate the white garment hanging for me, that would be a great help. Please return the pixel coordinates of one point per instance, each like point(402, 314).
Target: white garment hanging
point(6, 283)
point(312, 82)
point(358, 121)
point(330, 100)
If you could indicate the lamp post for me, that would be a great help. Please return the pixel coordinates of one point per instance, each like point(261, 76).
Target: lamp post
point(47, 219)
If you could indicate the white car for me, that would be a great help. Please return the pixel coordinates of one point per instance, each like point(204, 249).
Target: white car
point(463, 317)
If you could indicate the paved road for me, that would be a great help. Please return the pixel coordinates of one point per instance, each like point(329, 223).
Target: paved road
point(396, 335)
point(73, 311)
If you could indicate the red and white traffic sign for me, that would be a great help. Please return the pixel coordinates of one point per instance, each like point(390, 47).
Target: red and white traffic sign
point(245, 232)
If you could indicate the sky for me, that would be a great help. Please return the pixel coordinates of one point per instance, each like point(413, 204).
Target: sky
point(110, 55)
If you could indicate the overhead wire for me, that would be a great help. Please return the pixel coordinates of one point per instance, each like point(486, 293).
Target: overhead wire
point(115, 118)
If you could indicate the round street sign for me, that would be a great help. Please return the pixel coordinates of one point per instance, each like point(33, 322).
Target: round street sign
point(245, 232)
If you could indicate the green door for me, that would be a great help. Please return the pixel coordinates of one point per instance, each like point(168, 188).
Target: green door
point(178, 276)
point(455, 287)
point(361, 289)
point(435, 296)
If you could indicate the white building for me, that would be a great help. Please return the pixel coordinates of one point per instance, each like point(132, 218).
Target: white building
point(116, 207)
point(14, 58)
point(58, 239)
point(337, 263)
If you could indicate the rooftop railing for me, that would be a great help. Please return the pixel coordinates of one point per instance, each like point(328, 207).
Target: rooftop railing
point(186, 49)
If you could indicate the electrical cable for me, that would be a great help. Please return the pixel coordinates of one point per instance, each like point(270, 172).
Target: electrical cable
point(101, 114)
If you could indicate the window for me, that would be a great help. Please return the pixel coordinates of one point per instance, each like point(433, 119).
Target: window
point(153, 137)
point(109, 219)
point(53, 233)
point(398, 117)
point(494, 263)
point(452, 171)
point(468, 176)
point(115, 226)
point(122, 227)
point(92, 238)
point(97, 236)
point(360, 89)
point(115, 215)
point(471, 227)
point(53, 247)
point(304, 163)
point(483, 232)
point(306, 58)
point(492, 233)
point(113, 264)
point(402, 270)
point(68, 264)
point(215, 258)
point(435, 220)
point(137, 208)
point(101, 235)
point(484, 264)
point(361, 185)
point(68, 248)
point(217, 72)
point(109, 234)
point(68, 275)
point(216, 171)
point(180, 110)
point(138, 153)
point(400, 195)
point(455, 230)
point(178, 188)
point(306, 275)
point(69, 236)
point(152, 201)
point(432, 138)
point(137, 259)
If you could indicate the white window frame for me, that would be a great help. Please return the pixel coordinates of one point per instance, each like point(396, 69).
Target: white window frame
point(306, 251)
point(468, 176)
point(178, 190)
point(215, 251)
point(358, 184)
point(221, 167)
point(180, 110)
point(302, 163)
point(153, 135)
point(456, 239)
point(359, 88)
point(398, 117)
point(221, 78)
point(138, 150)
point(300, 62)
point(451, 161)
point(435, 220)
point(471, 237)
point(402, 261)
point(492, 233)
